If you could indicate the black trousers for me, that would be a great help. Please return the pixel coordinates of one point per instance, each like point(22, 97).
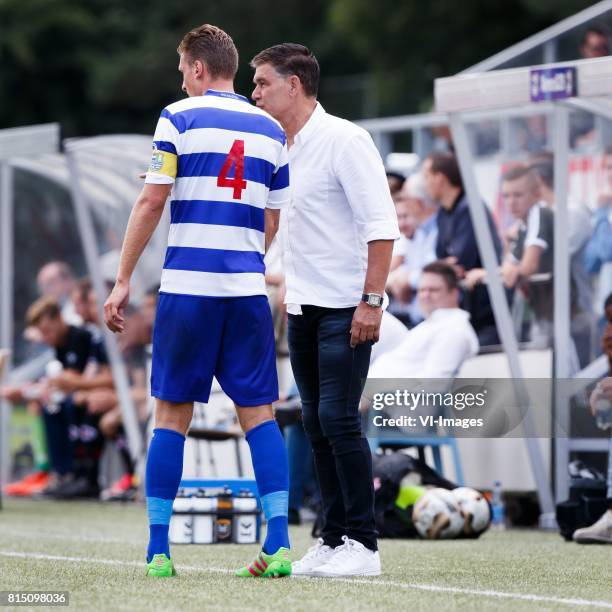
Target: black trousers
point(330, 376)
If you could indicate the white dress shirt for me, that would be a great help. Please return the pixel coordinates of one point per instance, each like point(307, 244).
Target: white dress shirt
point(435, 348)
point(340, 202)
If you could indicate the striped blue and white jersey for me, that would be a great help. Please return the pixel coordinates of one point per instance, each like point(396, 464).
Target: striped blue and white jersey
point(227, 161)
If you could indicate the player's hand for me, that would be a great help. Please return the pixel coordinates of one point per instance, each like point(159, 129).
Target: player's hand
point(366, 324)
point(114, 307)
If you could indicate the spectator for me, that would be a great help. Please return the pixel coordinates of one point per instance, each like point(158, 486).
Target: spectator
point(598, 251)
point(456, 242)
point(601, 531)
point(438, 346)
point(595, 43)
point(531, 248)
point(56, 280)
point(412, 254)
point(396, 182)
point(73, 438)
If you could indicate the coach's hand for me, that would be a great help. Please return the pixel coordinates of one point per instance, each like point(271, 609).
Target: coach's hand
point(366, 324)
point(115, 306)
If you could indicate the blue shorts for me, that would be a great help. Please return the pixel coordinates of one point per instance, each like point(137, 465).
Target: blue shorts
point(196, 338)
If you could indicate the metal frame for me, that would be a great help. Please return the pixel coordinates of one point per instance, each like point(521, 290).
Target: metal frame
point(92, 257)
point(14, 142)
point(501, 311)
point(6, 302)
point(561, 311)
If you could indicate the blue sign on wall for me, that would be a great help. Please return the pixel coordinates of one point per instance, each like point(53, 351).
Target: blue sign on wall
point(553, 83)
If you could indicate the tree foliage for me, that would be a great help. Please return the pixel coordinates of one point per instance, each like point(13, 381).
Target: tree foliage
point(103, 66)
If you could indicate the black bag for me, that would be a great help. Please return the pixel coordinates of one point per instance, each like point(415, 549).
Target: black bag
point(389, 470)
point(586, 504)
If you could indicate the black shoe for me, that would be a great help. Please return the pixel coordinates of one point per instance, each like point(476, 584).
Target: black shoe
point(55, 483)
point(294, 517)
point(77, 488)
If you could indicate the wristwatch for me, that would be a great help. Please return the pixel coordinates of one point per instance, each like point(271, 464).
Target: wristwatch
point(372, 299)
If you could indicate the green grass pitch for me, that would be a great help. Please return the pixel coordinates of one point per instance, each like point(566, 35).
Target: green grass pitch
point(97, 553)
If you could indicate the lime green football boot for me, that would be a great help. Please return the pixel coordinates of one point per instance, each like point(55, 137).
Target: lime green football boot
point(268, 566)
point(161, 567)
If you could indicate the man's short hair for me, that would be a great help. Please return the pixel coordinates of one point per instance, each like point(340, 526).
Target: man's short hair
point(446, 163)
point(214, 47)
point(543, 164)
point(519, 172)
point(290, 59)
point(445, 271)
point(41, 308)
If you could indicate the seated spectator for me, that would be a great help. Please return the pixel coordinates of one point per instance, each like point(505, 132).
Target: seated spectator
point(412, 254)
point(438, 346)
point(456, 242)
point(73, 438)
point(598, 251)
point(601, 531)
point(392, 334)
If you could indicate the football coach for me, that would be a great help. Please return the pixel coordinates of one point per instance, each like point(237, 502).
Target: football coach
point(337, 237)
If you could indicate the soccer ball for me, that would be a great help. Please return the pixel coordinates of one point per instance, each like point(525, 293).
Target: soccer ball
point(475, 510)
point(437, 515)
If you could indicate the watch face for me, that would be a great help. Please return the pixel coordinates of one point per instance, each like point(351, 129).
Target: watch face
point(374, 300)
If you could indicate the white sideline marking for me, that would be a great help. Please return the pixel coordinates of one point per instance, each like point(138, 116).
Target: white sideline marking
point(371, 582)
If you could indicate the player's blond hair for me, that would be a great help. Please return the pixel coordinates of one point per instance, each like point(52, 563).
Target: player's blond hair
point(214, 47)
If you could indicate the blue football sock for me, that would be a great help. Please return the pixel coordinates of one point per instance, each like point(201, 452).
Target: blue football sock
point(163, 476)
point(269, 458)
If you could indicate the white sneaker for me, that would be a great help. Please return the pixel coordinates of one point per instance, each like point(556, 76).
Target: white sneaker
point(598, 533)
point(350, 559)
point(315, 556)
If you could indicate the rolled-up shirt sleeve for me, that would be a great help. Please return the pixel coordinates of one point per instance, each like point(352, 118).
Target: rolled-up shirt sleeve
point(279, 194)
point(361, 173)
point(163, 165)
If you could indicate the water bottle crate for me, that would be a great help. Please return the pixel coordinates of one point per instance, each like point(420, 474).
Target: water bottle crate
point(224, 518)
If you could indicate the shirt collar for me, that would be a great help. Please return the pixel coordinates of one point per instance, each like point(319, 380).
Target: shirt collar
point(443, 313)
point(310, 126)
point(226, 94)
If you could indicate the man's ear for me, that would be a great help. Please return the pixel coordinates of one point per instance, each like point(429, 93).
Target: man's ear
point(199, 69)
point(294, 84)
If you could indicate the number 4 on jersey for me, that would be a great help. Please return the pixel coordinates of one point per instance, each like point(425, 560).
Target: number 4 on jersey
point(234, 158)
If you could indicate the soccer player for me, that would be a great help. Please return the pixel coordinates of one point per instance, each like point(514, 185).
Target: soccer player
point(226, 164)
